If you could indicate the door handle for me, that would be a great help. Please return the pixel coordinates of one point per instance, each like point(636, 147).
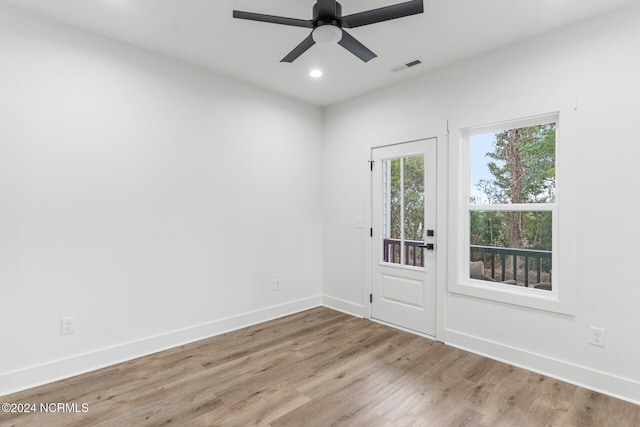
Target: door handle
point(428, 246)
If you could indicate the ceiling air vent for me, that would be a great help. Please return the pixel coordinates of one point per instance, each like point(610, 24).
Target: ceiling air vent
point(409, 64)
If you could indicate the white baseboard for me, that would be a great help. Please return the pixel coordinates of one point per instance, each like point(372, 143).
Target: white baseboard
point(601, 382)
point(343, 306)
point(12, 382)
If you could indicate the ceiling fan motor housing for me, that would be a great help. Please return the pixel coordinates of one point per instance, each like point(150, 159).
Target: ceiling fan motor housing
point(334, 16)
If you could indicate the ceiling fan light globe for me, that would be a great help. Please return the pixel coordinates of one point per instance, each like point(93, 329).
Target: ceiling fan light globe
point(327, 34)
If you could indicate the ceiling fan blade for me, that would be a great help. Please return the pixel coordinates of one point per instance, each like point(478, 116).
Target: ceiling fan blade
point(354, 46)
point(273, 19)
point(299, 50)
point(326, 9)
point(383, 14)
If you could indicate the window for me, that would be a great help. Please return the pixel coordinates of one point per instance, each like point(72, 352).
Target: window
point(511, 203)
point(514, 186)
point(513, 225)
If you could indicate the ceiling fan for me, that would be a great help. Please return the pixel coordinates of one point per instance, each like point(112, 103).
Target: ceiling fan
point(328, 25)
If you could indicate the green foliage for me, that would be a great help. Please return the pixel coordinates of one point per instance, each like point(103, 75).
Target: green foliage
point(414, 197)
point(490, 228)
point(413, 187)
point(487, 228)
point(396, 207)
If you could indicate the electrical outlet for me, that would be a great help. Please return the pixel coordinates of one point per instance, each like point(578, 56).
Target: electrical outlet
point(597, 336)
point(68, 325)
point(276, 286)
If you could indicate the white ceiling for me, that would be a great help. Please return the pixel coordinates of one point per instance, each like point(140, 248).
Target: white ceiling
point(203, 32)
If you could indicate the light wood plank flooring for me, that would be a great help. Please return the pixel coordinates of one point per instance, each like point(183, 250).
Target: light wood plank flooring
point(319, 368)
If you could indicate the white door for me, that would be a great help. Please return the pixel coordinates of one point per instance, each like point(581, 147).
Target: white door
point(403, 198)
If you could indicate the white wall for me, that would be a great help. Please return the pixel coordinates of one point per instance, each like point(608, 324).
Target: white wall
point(596, 59)
point(155, 201)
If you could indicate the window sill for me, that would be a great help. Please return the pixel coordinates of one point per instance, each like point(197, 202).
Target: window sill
point(531, 298)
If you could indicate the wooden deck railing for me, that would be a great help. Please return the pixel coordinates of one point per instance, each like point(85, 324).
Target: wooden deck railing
point(502, 260)
point(413, 253)
point(503, 263)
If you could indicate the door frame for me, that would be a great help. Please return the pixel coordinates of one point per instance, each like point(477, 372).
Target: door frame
point(442, 220)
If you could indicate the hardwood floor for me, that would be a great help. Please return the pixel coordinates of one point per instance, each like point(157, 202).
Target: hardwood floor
point(318, 368)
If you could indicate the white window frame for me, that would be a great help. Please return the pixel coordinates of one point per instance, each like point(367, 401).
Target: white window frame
point(561, 299)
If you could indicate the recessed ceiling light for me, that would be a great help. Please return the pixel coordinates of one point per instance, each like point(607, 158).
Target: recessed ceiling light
point(315, 73)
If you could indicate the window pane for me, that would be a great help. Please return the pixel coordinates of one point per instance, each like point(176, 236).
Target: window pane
point(413, 209)
point(392, 210)
point(511, 247)
point(514, 165)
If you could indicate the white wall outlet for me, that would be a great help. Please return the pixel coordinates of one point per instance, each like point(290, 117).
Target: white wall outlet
point(68, 325)
point(597, 336)
point(276, 285)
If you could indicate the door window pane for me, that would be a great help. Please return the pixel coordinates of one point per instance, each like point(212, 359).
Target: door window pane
point(403, 210)
point(413, 209)
point(391, 210)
